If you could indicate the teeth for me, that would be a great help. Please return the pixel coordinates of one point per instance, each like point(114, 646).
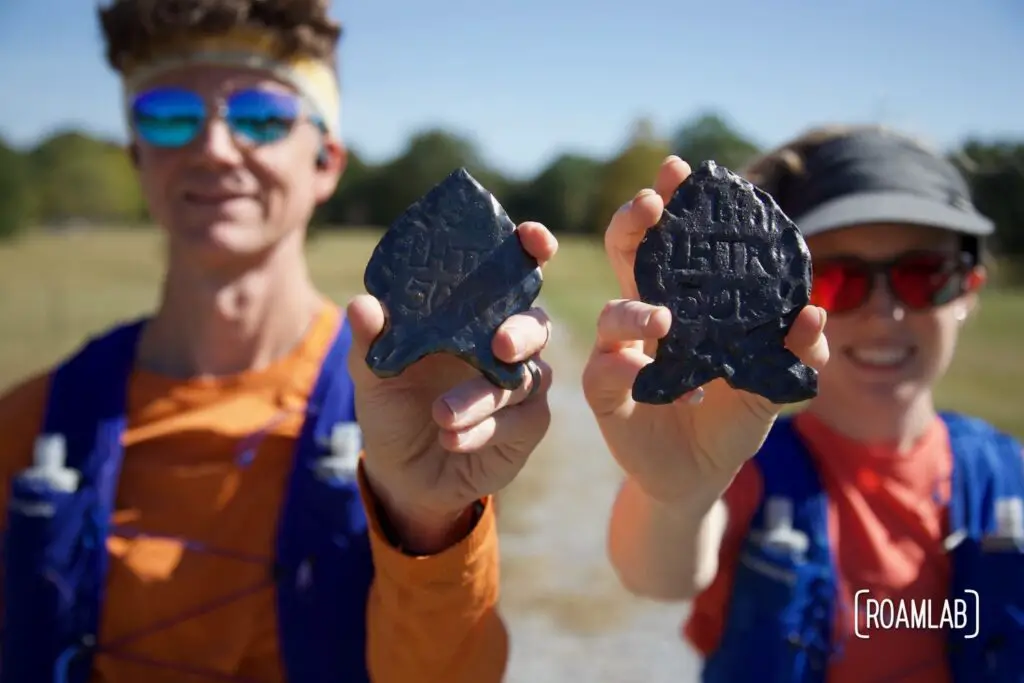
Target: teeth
point(881, 356)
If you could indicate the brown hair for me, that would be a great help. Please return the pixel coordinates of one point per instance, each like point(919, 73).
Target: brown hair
point(132, 29)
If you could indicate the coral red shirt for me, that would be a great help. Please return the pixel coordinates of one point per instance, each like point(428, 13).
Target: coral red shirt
point(886, 525)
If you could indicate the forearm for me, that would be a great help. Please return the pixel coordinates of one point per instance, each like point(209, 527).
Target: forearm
point(666, 552)
point(434, 619)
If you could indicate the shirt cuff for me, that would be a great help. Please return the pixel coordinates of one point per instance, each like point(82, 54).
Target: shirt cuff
point(472, 551)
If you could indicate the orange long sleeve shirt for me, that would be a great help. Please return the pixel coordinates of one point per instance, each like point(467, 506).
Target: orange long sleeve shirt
point(172, 614)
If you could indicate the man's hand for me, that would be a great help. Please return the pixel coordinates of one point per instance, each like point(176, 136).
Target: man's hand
point(697, 444)
point(440, 436)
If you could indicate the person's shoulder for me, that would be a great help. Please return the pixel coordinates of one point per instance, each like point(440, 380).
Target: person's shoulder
point(963, 426)
point(23, 400)
point(973, 439)
point(23, 405)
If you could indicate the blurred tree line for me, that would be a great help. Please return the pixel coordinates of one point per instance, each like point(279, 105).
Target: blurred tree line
point(74, 179)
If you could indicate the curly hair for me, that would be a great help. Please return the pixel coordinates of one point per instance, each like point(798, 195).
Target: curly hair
point(133, 29)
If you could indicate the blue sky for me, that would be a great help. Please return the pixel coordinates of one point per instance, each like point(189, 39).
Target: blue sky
point(528, 79)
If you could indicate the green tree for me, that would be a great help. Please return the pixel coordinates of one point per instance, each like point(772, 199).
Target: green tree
point(561, 195)
point(350, 204)
point(995, 171)
point(428, 158)
point(16, 203)
point(711, 137)
point(632, 169)
point(82, 178)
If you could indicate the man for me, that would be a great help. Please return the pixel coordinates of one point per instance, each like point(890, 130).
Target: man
point(187, 497)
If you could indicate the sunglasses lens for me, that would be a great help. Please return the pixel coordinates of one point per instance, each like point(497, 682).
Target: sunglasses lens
point(262, 116)
point(923, 280)
point(840, 285)
point(168, 117)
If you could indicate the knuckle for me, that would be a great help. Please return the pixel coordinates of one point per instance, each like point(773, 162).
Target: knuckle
point(609, 309)
point(545, 415)
point(638, 314)
point(593, 374)
point(614, 310)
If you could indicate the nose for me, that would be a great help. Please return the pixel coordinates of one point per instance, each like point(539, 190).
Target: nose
point(882, 303)
point(216, 145)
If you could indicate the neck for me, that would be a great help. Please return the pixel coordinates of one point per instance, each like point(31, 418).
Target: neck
point(216, 323)
point(879, 422)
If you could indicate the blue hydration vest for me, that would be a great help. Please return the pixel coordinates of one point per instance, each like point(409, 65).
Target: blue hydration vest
point(780, 616)
point(55, 551)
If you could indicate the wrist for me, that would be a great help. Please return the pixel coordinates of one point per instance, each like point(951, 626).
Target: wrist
point(420, 530)
point(693, 503)
point(423, 534)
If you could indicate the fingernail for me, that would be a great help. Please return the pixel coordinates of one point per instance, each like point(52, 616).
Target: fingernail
point(646, 192)
point(696, 397)
point(454, 406)
point(670, 158)
point(512, 343)
point(822, 319)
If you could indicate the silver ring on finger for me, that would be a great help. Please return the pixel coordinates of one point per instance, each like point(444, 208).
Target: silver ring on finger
point(535, 378)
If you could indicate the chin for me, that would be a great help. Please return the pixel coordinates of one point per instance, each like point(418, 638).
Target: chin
point(894, 388)
point(893, 394)
point(222, 243)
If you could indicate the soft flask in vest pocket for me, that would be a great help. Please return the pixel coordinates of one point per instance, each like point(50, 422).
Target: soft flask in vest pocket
point(47, 518)
point(56, 565)
point(779, 618)
point(988, 578)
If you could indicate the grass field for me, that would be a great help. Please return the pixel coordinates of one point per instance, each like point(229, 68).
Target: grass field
point(56, 288)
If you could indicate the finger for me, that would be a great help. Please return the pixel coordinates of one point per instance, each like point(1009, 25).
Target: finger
point(538, 241)
point(631, 221)
point(624, 233)
point(671, 174)
point(623, 322)
point(608, 381)
point(516, 428)
point(522, 336)
point(476, 400)
point(366, 317)
point(806, 338)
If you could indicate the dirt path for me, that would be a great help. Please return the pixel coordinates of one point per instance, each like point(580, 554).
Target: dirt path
point(569, 619)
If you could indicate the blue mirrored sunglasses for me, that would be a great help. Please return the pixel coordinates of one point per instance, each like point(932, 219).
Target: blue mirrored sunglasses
point(174, 117)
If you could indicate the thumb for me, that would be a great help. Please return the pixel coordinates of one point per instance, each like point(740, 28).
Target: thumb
point(366, 318)
point(806, 338)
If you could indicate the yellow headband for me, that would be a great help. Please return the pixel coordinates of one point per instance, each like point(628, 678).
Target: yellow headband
point(252, 48)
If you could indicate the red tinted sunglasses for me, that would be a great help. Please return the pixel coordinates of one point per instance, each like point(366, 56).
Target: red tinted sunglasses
point(917, 280)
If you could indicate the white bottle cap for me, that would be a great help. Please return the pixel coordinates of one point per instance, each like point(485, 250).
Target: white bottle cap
point(50, 452)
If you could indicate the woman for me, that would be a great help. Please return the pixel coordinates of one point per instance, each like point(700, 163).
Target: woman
point(786, 532)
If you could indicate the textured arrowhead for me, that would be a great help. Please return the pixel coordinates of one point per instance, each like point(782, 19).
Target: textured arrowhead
point(735, 272)
point(449, 271)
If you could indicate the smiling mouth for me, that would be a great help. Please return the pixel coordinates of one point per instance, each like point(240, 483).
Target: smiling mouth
point(881, 357)
point(213, 199)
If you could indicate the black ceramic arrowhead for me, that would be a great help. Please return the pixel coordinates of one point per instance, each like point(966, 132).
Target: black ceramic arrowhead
point(449, 271)
point(735, 272)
